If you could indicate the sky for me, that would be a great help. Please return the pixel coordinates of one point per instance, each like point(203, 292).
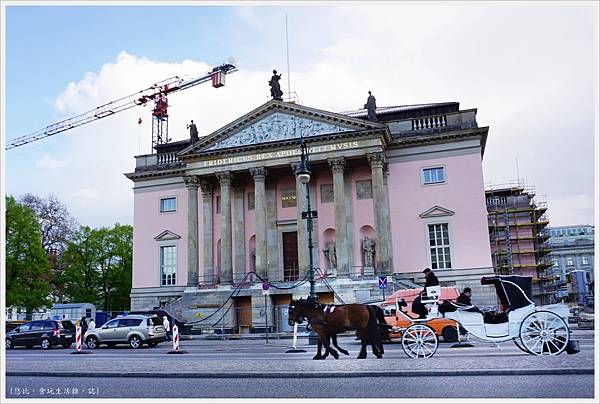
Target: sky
point(530, 69)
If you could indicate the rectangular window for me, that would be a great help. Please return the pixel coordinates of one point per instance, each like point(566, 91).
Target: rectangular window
point(364, 190)
point(218, 202)
point(584, 260)
point(439, 246)
point(168, 205)
point(569, 260)
point(168, 265)
point(250, 200)
point(288, 198)
point(327, 193)
point(434, 175)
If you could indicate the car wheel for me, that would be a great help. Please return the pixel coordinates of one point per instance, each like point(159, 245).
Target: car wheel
point(450, 334)
point(92, 342)
point(135, 342)
point(66, 346)
point(9, 344)
point(45, 343)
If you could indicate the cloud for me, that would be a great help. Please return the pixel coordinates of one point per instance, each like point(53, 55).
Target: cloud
point(47, 162)
point(85, 193)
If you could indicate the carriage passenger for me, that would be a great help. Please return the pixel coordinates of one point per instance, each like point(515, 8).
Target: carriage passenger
point(465, 297)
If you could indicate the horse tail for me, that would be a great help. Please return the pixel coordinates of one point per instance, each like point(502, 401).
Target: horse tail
point(383, 326)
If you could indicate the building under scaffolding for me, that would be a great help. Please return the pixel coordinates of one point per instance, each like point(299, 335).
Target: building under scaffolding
point(518, 236)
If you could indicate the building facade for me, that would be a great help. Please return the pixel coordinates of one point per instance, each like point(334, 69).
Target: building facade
point(572, 250)
point(392, 196)
point(517, 222)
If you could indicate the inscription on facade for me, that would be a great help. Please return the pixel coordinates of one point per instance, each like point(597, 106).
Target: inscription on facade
point(280, 154)
point(288, 198)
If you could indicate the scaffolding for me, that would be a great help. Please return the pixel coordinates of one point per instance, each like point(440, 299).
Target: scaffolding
point(517, 227)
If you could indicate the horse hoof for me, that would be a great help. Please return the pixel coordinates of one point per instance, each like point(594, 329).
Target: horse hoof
point(362, 357)
point(316, 358)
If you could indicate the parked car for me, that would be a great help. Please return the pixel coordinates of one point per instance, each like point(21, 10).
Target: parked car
point(134, 330)
point(46, 333)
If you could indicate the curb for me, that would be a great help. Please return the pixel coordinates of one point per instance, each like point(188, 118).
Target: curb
point(303, 374)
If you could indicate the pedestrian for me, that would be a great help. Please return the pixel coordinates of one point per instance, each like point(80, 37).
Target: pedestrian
point(167, 326)
point(83, 325)
point(92, 324)
point(465, 297)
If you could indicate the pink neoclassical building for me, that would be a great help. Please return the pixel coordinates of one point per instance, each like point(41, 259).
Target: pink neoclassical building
point(393, 196)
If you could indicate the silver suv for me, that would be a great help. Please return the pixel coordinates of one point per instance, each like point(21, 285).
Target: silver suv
point(134, 330)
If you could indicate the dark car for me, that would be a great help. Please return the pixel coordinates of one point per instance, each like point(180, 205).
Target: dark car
point(45, 333)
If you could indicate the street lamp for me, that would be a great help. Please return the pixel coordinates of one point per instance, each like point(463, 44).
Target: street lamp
point(303, 174)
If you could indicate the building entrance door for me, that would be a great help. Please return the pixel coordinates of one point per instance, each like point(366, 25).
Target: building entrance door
point(290, 256)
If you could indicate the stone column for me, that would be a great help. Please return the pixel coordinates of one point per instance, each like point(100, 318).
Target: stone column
point(207, 242)
point(192, 183)
point(337, 166)
point(387, 217)
point(376, 160)
point(226, 250)
point(303, 258)
point(260, 208)
point(239, 231)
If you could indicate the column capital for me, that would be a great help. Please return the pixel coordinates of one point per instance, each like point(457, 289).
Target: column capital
point(376, 160)
point(337, 165)
point(258, 173)
point(207, 189)
point(192, 181)
point(224, 178)
point(295, 166)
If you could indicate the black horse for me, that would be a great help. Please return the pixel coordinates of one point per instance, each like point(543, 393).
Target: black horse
point(330, 320)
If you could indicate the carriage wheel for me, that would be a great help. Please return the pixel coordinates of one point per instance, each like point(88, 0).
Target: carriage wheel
point(419, 341)
point(544, 333)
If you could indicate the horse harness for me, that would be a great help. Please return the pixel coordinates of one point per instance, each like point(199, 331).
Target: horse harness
point(327, 311)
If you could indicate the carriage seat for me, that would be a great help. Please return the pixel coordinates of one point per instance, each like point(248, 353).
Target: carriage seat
point(491, 317)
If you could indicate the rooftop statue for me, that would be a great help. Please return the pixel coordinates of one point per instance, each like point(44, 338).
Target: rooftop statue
point(370, 106)
point(193, 132)
point(276, 92)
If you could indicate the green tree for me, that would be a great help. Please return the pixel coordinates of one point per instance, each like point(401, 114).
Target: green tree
point(98, 266)
point(79, 277)
point(27, 269)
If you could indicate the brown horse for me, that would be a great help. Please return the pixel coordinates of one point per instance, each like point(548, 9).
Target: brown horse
point(330, 320)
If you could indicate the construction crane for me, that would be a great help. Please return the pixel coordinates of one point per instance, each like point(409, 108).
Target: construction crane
point(156, 93)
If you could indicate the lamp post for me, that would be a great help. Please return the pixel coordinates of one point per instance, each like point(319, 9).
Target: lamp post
point(303, 174)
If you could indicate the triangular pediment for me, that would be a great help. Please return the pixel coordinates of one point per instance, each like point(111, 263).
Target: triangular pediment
point(278, 121)
point(436, 211)
point(167, 235)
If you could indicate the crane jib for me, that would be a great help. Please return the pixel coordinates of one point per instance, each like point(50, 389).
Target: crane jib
point(167, 86)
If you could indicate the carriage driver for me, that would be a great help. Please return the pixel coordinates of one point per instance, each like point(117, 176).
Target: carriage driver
point(430, 280)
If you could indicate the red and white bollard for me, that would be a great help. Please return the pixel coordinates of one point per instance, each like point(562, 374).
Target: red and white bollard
point(175, 338)
point(176, 342)
point(78, 337)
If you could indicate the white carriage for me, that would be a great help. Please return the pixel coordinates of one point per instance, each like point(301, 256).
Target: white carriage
point(541, 330)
